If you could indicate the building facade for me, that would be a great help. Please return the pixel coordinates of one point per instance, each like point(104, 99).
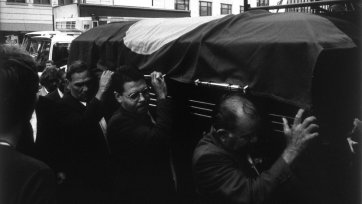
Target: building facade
point(211, 7)
point(82, 17)
point(21, 16)
point(196, 7)
point(90, 13)
point(18, 17)
point(307, 9)
point(262, 3)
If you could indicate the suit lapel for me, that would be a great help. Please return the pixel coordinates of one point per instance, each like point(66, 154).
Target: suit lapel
point(56, 95)
point(70, 101)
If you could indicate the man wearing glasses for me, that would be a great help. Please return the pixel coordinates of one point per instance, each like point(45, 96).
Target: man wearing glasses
point(138, 141)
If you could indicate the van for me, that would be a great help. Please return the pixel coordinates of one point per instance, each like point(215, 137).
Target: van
point(48, 45)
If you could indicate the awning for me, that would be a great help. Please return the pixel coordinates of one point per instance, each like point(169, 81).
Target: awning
point(25, 27)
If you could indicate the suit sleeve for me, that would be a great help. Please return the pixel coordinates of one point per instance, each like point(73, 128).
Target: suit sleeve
point(40, 189)
point(68, 124)
point(217, 176)
point(141, 134)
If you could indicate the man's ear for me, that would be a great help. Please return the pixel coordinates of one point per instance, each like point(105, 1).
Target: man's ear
point(224, 135)
point(118, 97)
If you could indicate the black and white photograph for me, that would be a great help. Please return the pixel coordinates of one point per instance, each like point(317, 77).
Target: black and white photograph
point(180, 102)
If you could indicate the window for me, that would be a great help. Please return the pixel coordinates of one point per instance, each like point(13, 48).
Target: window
point(225, 9)
point(102, 22)
point(95, 24)
point(262, 3)
point(42, 2)
point(241, 9)
point(205, 8)
point(182, 5)
point(65, 25)
point(43, 53)
point(64, 2)
point(70, 25)
point(16, 1)
point(60, 54)
point(33, 47)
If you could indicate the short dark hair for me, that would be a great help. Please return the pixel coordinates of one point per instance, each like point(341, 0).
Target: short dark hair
point(20, 83)
point(50, 61)
point(76, 67)
point(49, 76)
point(123, 75)
point(225, 117)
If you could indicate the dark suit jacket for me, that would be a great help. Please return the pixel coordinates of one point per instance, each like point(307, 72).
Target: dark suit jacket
point(24, 179)
point(54, 96)
point(85, 144)
point(222, 177)
point(49, 145)
point(26, 142)
point(141, 150)
point(43, 149)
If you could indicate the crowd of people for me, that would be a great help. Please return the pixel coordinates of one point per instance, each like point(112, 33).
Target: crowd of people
point(63, 143)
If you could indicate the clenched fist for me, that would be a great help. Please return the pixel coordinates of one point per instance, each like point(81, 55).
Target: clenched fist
point(159, 85)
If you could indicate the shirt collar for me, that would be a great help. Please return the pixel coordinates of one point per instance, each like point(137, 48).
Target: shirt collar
point(60, 93)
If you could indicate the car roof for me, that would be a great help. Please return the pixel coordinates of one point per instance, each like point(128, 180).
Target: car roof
point(56, 38)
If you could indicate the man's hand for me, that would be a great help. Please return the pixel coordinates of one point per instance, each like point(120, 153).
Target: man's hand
point(104, 83)
point(351, 144)
point(298, 135)
point(357, 130)
point(159, 85)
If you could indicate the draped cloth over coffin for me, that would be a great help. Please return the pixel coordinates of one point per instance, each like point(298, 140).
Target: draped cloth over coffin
point(274, 54)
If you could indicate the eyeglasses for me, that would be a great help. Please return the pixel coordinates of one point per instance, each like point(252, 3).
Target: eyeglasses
point(136, 95)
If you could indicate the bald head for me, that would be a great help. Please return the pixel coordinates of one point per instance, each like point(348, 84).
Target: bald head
point(234, 112)
point(236, 123)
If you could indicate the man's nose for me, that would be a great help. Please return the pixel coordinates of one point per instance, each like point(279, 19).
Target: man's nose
point(85, 88)
point(142, 98)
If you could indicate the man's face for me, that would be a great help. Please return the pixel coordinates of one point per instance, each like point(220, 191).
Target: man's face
point(244, 136)
point(135, 97)
point(81, 85)
point(62, 83)
point(48, 65)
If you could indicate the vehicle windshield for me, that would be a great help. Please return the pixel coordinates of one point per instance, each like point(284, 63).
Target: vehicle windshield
point(32, 46)
point(27, 41)
point(42, 54)
point(60, 54)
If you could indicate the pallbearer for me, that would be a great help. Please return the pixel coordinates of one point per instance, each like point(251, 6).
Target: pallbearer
point(139, 141)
